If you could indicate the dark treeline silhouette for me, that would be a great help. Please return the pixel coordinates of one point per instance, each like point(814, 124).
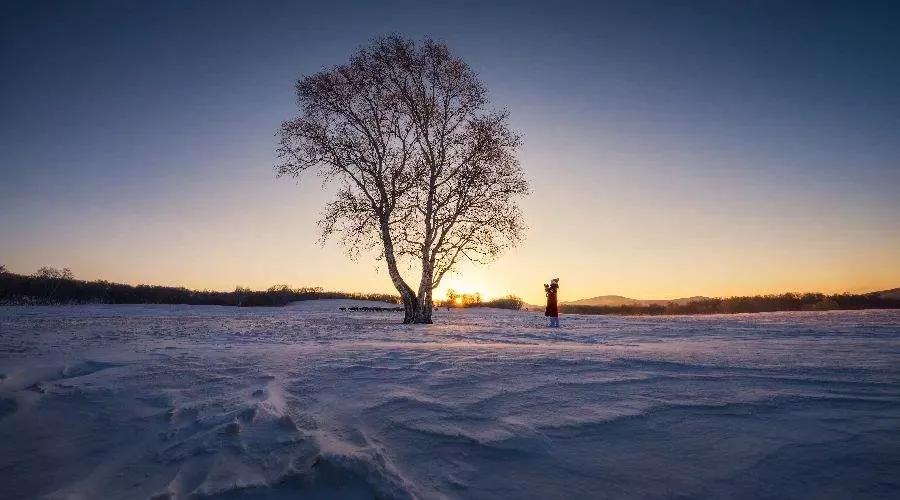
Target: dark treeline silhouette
point(508, 302)
point(749, 304)
point(455, 300)
point(52, 286)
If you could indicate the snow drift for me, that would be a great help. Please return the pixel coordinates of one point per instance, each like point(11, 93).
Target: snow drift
point(306, 400)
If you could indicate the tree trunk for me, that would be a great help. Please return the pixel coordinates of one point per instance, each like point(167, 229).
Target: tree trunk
point(416, 312)
point(413, 309)
point(423, 304)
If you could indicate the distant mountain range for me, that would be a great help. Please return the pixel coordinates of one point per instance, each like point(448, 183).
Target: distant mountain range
point(618, 300)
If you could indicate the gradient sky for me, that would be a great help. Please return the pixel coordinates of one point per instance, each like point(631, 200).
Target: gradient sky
point(675, 148)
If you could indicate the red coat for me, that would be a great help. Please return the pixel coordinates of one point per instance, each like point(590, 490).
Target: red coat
point(552, 308)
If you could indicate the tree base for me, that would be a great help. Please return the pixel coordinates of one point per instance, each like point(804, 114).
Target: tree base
point(417, 315)
point(417, 321)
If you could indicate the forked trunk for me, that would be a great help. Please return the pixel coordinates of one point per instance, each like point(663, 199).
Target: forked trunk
point(414, 311)
point(419, 309)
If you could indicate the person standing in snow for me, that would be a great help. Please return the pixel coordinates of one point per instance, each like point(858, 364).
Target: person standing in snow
point(552, 309)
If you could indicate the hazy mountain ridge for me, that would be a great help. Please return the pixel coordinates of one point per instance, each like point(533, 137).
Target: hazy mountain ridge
point(618, 300)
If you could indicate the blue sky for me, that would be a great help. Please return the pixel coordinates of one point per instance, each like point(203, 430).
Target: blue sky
point(675, 148)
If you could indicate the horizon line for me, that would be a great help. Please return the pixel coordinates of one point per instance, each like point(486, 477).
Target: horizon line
point(486, 296)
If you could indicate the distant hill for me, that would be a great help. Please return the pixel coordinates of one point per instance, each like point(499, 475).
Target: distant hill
point(618, 300)
point(614, 304)
point(605, 300)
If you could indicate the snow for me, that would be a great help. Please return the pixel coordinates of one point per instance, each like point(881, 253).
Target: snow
point(306, 400)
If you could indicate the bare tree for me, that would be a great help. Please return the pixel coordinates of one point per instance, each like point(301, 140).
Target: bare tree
point(53, 273)
point(428, 175)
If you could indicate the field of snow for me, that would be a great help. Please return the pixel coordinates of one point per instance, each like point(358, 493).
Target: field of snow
point(307, 401)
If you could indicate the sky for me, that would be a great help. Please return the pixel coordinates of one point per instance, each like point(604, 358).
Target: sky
point(674, 148)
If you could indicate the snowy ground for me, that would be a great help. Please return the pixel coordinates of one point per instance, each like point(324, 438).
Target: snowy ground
point(307, 401)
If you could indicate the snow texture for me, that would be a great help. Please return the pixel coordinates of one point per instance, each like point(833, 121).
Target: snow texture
point(311, 402)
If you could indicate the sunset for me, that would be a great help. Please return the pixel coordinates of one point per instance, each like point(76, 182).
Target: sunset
point(719, 152)
point(279, 249)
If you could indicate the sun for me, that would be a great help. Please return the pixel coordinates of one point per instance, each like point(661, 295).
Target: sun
point(468, 284)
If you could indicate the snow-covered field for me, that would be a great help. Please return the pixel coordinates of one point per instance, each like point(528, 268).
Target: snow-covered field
point(310, 402)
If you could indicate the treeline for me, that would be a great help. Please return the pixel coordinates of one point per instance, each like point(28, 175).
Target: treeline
point(749, 304)
point(455, 300)
point(54, 286)
point(508, 302)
